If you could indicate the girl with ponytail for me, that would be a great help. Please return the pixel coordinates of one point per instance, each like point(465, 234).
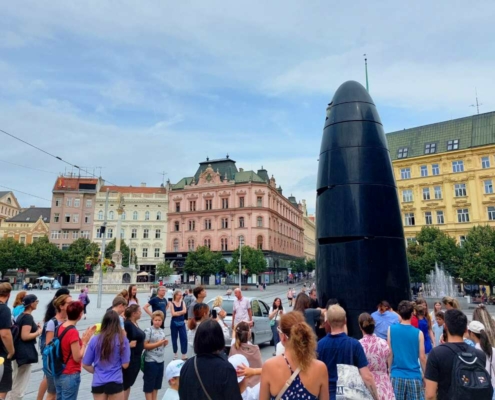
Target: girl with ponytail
point(308, 377)
point(251, 351)
point(478, 335)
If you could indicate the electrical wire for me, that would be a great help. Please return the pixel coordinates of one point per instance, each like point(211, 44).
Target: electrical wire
point(52, 155)
point(24, 166)
point(28, 194)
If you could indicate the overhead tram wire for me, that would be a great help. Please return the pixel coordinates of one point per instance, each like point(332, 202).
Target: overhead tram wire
point(54, 156)
point(28, 194)
point(25, 166)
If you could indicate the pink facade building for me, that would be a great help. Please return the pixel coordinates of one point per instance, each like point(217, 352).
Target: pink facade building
point(221, 205)
point(73, 204)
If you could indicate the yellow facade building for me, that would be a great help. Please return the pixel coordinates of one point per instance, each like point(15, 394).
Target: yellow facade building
point(445, 174)
point(27, 226)
point(309, 233)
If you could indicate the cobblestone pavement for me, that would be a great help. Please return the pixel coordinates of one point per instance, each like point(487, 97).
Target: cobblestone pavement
point(95, 315)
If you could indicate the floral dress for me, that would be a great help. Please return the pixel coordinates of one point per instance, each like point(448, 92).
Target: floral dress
point(377, 353)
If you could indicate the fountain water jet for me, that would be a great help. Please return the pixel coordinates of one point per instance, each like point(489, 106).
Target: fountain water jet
point(439, 284)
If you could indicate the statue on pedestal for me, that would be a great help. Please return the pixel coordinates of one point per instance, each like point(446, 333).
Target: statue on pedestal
point(117, 255)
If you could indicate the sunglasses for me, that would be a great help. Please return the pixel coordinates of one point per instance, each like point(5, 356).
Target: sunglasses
point(280, 331)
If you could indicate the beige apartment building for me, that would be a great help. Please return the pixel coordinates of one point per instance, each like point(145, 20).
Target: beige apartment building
point(309, 233)
point(9, 206)
point(27, 226)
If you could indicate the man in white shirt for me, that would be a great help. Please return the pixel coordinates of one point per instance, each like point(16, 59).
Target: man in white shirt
point(242, 309)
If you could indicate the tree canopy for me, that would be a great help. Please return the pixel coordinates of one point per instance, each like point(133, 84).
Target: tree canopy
point(203, 262)
point(252, 260)
point(78, 252)
point(478, 255)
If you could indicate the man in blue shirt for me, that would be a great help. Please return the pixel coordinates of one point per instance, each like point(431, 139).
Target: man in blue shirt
point(158, 303)
point(383, 319)
point(338, 348)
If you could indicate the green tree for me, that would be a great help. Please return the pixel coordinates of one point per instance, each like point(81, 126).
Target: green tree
point(110, 249)
point(298, 265)
point(310, 265)
point(164, 269)
point(44, 257)
point(13, 255)
point(252, 260)
point(478, 256)
point(78, 252)
point(203, 262)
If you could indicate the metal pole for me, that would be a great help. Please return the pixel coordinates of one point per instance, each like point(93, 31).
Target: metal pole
point(240, 262)
point(100, 283)
point(366, 70)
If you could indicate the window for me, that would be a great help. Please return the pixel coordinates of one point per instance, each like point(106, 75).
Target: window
point(208, 243)
point(411, 240)
point(69, 201)
point(135, 215)
point(157, 253)
point(463, 215)
point(426, 193)
point(428, 218)
point(402, 152)
point(147, 216)
point(89, 203)
point(192, 225)
point(259, 222)
point(85, 234)
point(460, 190)
point(485, 162)
point(55, 235)
point(110, 215)
point(225, 223)
point(122, 233)
point(259, 243)
point(488, 186)
point(87, 218)
point(75, 218)
point(122, 216)
point(430, 148)
point(241, 202)
point(207, 224)
point(259, 201)
point(159, 216)
point(58, 202)
point(407, 195)
point(440, 218)
point(158, 234)
point(134, 233)
point(241, 222)
point(145, 252)
point(225, 203)
point(190, 244)
point(109, 233)
point(405, 173)
point(453, 145)
point(224, 244)
point(98, 233)
point(424, 170)
point(177, 206)
point(67, 218)
point(409, 219)
point(65, 246)
point(192, 206)
point(435, 169)
point(77, 202)
point(491, 213)
point(176, 226)
point(462, 239)
point(438, 192)
point(56, 217)
point(208, 204)
point(176, 244)
point(458, 166)
point(146, 233)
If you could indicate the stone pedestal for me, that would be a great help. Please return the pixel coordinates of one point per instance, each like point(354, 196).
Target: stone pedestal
point(119, 275)
point(117, 259)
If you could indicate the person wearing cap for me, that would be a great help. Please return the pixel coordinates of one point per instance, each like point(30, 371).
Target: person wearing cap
point(241, 365)
point(477, 333)
point(25, 347)
point(172, 375)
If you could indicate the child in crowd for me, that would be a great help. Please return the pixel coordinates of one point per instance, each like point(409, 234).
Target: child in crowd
point(154, 345)
point(438, 327)
point(172, 374)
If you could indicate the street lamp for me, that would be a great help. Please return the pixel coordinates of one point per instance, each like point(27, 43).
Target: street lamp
point(241, 240)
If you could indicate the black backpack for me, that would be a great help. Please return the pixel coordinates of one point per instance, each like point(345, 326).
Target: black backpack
point(470, 379)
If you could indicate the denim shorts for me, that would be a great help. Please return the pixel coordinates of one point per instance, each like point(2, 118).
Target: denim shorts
point(152, 376)
point(67, 386)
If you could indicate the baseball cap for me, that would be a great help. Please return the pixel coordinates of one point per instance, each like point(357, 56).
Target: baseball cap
point(29, 299)
point(236, 360)
point(173, 369)
point(476, 327)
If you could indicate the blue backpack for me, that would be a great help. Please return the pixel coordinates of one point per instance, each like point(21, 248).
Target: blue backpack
point(53, 363)
point(43, 333)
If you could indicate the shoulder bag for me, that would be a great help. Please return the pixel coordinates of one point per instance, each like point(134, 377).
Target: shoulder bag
point(199, 378)
point(287, 384)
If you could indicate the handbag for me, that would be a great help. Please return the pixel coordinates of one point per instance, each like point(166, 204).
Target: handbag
point(288, 383)
point(274, 320)
point(199, 378)
point(350, 385)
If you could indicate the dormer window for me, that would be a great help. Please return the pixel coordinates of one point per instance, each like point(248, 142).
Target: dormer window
point(402, 153)
point(453, 144)
point(430, 148)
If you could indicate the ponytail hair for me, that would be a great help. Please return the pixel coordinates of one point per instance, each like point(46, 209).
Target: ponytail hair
point(301, 338)
point(485, 343)
point(199, 311)
point(367, 323)
point(241, 334)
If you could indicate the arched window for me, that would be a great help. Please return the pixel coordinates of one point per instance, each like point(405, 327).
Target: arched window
point(147, 216)
point(259, 222)
point(159, 216)
point(208, 243)
point(259, 243)
point(224, 244)
point(100, 215)
point(190, 244)
point(110, 215)
point(135, 215)
point(176, 244)
point(241, 222)
point(126, 278)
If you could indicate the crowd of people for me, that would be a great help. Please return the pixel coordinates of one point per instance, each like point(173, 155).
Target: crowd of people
point(406, 353)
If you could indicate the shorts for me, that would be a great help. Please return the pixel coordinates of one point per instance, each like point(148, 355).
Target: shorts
point(152, 376)
point(6, 382)
point(130, 374)
point(50, 382)
point(408, 388)
point(108, 388)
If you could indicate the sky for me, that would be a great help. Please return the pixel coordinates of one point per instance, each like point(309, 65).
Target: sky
point(141, 88)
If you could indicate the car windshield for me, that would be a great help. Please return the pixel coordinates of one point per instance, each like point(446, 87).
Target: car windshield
point(227, 305)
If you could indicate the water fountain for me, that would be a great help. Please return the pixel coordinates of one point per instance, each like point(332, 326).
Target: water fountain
point(439, 284)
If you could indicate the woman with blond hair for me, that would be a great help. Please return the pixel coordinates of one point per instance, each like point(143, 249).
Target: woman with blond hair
point(450, 303)
point(482, 315)
point(178, 310)
point(297, 374)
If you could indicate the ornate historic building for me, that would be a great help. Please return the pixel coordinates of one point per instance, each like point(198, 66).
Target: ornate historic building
point(143, 222)
point(220, 206)
point(445, 174)
point(27, 226)
point(9, 207)
point(309, 233)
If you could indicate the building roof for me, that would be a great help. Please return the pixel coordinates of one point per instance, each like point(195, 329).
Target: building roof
point(32, 214)
point(135, 189)
point(225, 166)
point(247, 176)
point(4, 193)
point(65, 183)
point(182, 183)
point(473, 131)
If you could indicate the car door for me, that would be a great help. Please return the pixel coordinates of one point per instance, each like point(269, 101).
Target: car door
point(260, 329)
point(265, 310)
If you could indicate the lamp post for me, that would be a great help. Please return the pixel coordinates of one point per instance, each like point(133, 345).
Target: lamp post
point(102, 258)
point(241, 239)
